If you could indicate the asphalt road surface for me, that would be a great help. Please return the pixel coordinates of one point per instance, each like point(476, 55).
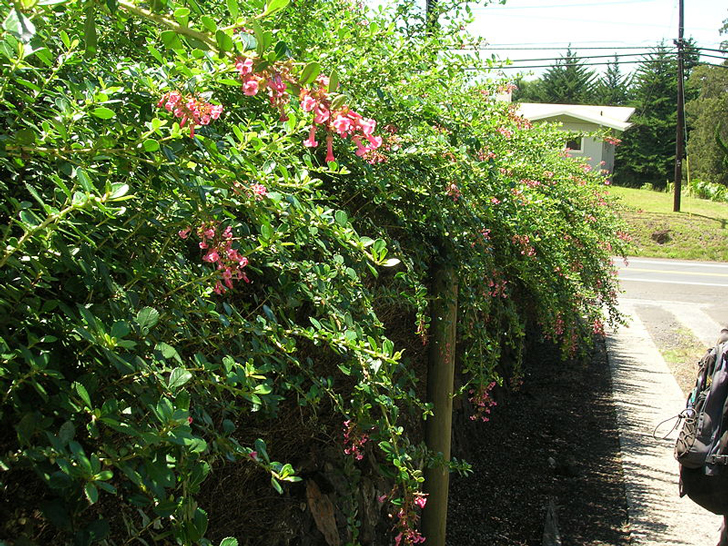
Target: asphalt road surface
point(696, 293)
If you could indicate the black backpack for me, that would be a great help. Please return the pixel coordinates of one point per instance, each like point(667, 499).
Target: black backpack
point(702, 445)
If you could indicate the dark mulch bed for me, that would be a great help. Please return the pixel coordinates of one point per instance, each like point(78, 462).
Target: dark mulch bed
point(556, 438)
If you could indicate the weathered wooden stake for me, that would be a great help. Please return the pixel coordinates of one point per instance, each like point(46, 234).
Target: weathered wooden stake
point(440, 384)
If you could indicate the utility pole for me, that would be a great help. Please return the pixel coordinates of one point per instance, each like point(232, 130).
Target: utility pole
point(680, 137)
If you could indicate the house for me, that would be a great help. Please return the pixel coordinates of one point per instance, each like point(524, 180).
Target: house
point(583, 118)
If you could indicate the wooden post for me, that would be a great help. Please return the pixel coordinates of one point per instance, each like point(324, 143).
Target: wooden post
point(440, 385)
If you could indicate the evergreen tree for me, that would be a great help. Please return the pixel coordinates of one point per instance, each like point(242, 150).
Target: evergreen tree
point(708, 117)
point(612, 89)
point(568, 81)
point(524, 91)
point(647, 153)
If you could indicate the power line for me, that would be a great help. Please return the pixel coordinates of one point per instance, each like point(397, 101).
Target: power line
point(503, 48)
point(592, 4)
point(714, 57)
point(511, 67)
point(580, 58)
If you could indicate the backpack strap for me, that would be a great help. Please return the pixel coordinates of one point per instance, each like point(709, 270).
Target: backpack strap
point(717, 460)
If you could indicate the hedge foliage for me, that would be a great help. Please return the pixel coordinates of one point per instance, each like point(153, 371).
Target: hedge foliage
point(178, 271)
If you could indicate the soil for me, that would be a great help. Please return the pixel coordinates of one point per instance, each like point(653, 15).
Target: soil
point(555, 440)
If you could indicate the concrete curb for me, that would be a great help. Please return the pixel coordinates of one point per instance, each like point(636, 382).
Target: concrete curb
point(646, 393)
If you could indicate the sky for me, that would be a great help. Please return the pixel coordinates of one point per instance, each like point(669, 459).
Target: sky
point(584, 24)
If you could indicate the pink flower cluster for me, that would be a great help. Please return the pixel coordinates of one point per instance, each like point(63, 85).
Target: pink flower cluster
point(497, 288)
point(273, 78)
point(483, 402)
point(453, 191)
point(190, 109)
point(340, 120)
point(218, 247)
point(598, 327)
point(612, 140)
point(524, 242)
point(354, 440)
point(505, 132)
point(407, 519)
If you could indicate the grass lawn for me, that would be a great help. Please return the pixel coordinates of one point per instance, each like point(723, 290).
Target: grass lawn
point(698, 232)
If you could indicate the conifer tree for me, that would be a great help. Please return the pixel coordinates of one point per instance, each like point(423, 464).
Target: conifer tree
point(612, 89)
point(568, 81)
point(647, 153)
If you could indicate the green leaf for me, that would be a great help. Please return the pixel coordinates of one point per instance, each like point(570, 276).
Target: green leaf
point(85, 180)
point(168, 351)
point(178, 377)
point(66, 432)
point(82, 393)
point(25, 137)
point(150, 145)
point(90, 37)
point(147, 318)
point(182, 15)
point(229, 541)
point(333, 81)
point(232, 6)
point(29, 219)
point(341, 218)
point(118, 190)
point(103, 113)
point(274, 6)
point(92, 494)
point(119, 329)
point(264, 38)
point(224, 42)
point(266, 232)
point(309, 73)
point(18, 24)
point(209, 24)
point(171, 40)
point(276, 486)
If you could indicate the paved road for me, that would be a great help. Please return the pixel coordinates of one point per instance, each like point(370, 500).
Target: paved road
point(692, 295)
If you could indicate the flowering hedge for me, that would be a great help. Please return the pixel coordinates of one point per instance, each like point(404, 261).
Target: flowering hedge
point(208, 213)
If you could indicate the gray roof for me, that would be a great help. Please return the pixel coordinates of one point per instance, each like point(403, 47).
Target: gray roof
point(614, 117)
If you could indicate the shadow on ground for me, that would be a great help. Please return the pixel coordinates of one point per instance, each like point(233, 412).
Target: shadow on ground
point(556, 438)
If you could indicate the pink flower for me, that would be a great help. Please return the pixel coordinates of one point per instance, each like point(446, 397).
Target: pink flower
point(184, 233)
point(212, 256)
point(259, 190)
point(250, 87)
point(321, 113)
point(342, 125)
point(329, 148)
point(308, 103)
point(244, 66)
point(421, 501)
point(311, 141)
point(228, 233)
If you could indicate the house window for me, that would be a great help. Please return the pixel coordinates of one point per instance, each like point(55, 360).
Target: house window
point(575, 144)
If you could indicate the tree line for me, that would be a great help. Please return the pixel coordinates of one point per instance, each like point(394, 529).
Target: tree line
point(647, 152)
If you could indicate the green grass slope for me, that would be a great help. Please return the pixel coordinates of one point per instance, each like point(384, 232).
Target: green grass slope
point(698, 232)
